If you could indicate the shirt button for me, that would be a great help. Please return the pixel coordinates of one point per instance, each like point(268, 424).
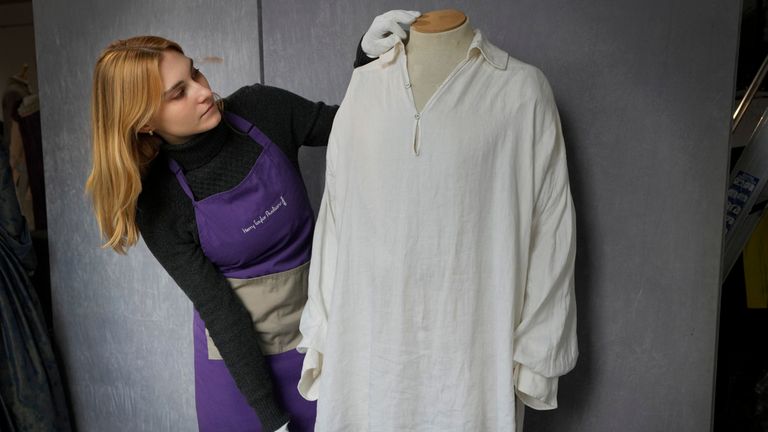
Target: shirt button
point(416, 116)
point(407, 85)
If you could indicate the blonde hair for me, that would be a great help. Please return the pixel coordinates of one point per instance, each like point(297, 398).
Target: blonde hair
point(127, 93)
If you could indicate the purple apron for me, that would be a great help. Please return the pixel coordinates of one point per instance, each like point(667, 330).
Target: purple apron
point(260, 227)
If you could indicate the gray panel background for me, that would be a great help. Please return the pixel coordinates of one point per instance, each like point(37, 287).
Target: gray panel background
point(122, 324)
point(644, 89)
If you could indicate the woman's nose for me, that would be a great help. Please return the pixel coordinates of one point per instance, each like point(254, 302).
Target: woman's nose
point(203, 92)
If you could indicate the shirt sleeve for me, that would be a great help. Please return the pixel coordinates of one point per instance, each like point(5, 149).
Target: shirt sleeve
point(322, 273)
point(226, 319)
point(545, 338)
point(312, 122)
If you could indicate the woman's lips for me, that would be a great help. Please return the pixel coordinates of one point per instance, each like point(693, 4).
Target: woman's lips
point(208, 110)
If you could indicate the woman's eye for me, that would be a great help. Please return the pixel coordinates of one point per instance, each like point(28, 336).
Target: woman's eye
point(181, 92)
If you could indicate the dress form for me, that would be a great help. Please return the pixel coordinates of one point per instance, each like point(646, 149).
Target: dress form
point(438, 41)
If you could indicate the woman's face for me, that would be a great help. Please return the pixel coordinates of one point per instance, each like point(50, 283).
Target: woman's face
point(188, 107)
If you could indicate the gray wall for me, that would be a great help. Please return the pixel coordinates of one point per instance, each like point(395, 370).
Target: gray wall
point(644, 90)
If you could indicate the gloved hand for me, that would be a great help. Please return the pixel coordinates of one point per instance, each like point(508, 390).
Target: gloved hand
point(385, 31)
point(283, 428)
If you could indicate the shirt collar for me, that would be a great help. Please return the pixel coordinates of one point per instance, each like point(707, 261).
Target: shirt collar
point(492, 54)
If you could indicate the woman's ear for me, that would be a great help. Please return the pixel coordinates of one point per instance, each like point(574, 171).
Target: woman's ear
point(146, 129)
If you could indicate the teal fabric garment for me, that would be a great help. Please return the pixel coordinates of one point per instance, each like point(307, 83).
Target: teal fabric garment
point(12, 223)
point(32, 397)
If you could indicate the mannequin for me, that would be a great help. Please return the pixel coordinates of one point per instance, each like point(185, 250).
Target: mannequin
point(441, 294)
point(438, 42)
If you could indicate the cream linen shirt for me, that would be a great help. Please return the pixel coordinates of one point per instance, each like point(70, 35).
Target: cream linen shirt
point(441, 284)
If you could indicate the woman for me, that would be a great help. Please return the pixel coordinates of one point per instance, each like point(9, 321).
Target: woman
point(214, 189)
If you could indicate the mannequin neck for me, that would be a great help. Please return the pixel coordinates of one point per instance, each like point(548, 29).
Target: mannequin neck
point(433, 56)
point(439, 21)
point(451, 42)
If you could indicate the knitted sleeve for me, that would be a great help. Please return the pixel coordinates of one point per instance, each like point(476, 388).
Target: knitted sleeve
point(288, 119)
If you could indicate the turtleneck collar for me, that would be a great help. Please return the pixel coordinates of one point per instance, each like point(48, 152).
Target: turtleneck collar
point(200, 149)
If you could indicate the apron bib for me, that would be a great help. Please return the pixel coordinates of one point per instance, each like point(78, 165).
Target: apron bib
point(259, 235)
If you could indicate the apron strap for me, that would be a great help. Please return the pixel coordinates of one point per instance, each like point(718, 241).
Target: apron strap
point(246, 127)
point(174, 166)
point(242, 125)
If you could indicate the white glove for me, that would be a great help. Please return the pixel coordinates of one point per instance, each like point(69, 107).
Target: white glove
point(283, 428)
point(385, 31)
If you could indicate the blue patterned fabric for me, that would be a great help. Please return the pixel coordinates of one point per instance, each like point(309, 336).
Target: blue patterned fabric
point(32, 396)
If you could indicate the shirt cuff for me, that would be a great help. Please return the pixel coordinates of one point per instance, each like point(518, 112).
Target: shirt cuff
point(536, 391)
point(309, 382)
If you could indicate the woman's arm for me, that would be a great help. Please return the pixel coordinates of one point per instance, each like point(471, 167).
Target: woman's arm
point(288, 119)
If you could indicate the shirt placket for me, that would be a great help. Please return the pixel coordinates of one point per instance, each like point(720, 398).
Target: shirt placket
point(418, 116)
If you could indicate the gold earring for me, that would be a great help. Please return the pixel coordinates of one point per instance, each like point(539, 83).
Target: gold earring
point(151, 132)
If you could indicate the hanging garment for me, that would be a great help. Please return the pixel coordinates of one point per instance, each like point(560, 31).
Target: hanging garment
point(31, 392)
point(15, 91)
point(11, 221)
point(18, 163)
point(28, 119)
point(259, 236)
point(442, 278)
